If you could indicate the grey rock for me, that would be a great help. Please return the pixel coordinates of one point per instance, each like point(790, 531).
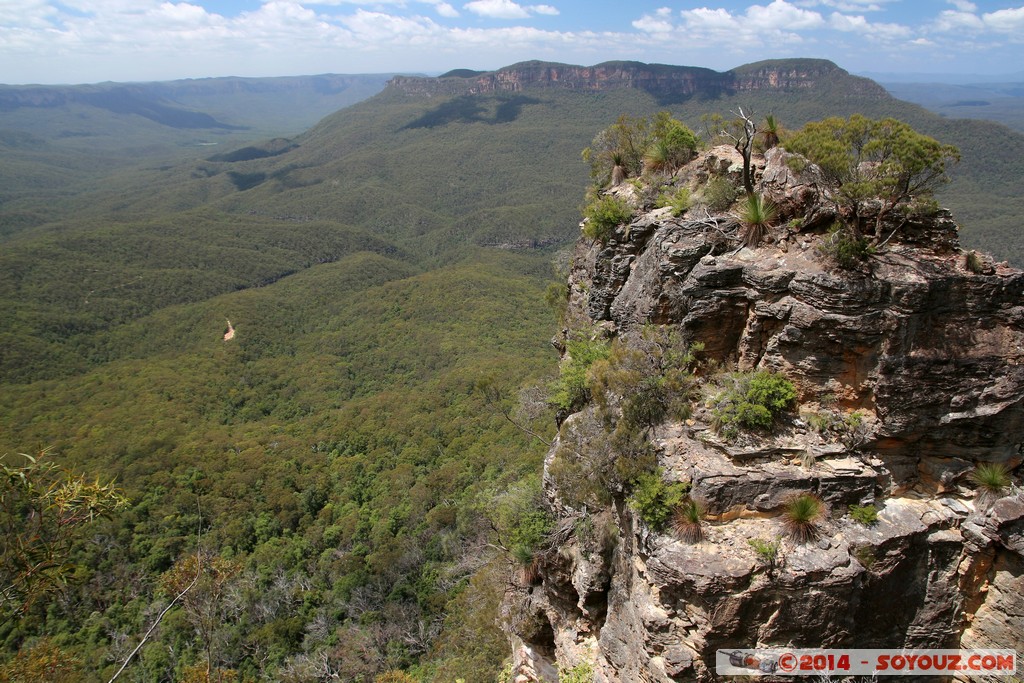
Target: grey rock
point(931, 355)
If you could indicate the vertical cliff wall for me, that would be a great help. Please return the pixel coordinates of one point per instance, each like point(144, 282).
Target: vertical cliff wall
point(909, 370)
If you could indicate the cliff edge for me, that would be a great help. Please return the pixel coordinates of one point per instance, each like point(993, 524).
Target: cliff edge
point(908, 373)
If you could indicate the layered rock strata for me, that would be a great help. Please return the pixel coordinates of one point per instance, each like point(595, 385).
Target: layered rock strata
point(658, 79)
point(919, 359)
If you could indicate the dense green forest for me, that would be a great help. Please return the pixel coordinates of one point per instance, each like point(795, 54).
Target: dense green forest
point(335, 465)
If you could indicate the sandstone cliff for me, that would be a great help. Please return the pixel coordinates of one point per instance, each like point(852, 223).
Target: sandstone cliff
point(909, 369)
point(657, 79)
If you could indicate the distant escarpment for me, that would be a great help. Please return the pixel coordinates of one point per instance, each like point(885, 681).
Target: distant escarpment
point(120, 99)
point(829, 455)
point(791, 75)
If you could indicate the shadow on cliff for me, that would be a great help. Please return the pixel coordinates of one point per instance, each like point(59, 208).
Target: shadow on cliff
point(668, 98)
point(474, 109)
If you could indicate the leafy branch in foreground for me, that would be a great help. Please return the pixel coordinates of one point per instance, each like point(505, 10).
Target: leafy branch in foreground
point(43, 512)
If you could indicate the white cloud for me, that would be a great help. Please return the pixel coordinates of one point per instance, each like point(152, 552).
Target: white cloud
point(506, 9)
point(26, 13)
point(774, 25)
point(497, 9)
point(659, 22)
point(954, 21)
point(963, 5)
point(847, 23)
point(704, 19)
point(544, 9)
point(846, 5)
point(649, 24)
point(1005, 20)
point(379, 28)
point(446, 10)
point(782, 15)
point(442, 8)
point(874, 31)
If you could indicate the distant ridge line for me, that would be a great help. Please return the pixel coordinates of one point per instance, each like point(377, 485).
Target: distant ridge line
point(658, 79)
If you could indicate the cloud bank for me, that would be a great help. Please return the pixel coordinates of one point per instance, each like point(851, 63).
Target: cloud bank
point(87, 40)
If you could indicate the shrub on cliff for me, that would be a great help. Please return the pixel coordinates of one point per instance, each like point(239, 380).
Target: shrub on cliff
point(756, 215)
point(661, 141)
point(719, 194)
point(867, 160)
point(603, 214)
point(654, 499)
point(802, 517)
point(991, 478)
point(686, 520)
point(637, 386)
point(845, 248)
point(865, 514)
point(678, 201)
point(570, 391)
point(754, 401)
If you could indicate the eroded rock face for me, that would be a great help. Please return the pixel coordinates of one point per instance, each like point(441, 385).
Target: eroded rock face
point(657, 79)
point(930, 357)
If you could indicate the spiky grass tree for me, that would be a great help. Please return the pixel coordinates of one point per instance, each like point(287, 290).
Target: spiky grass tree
point(802, 517)
point(686, 521)
point(756, 216)
point(771, 133)
point(659, 158)
point(527, 565)
point(992, 478)
point(618, 170)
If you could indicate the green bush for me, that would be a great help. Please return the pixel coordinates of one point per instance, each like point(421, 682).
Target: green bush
point(581, 673)
point(678, 200)
point(974, 263)
point(754, 402)
point(603, 215)
point(845, 248)
point(659, 143)
point(866, 555)
point(530, 529)
point(570, 391)
point(774, 392)
point(654, 499)
point(641, 384)
point(796, 163)
point(767, 551)
point(865, 514)
point(719, 194)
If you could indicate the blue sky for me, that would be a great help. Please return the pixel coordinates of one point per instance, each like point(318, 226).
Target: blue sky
point(82, 41)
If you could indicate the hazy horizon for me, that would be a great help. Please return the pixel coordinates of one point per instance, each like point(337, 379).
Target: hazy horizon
point(881, 77)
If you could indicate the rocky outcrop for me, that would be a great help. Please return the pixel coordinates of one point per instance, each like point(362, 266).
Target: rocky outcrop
point(910, 371)
point(658, 79)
